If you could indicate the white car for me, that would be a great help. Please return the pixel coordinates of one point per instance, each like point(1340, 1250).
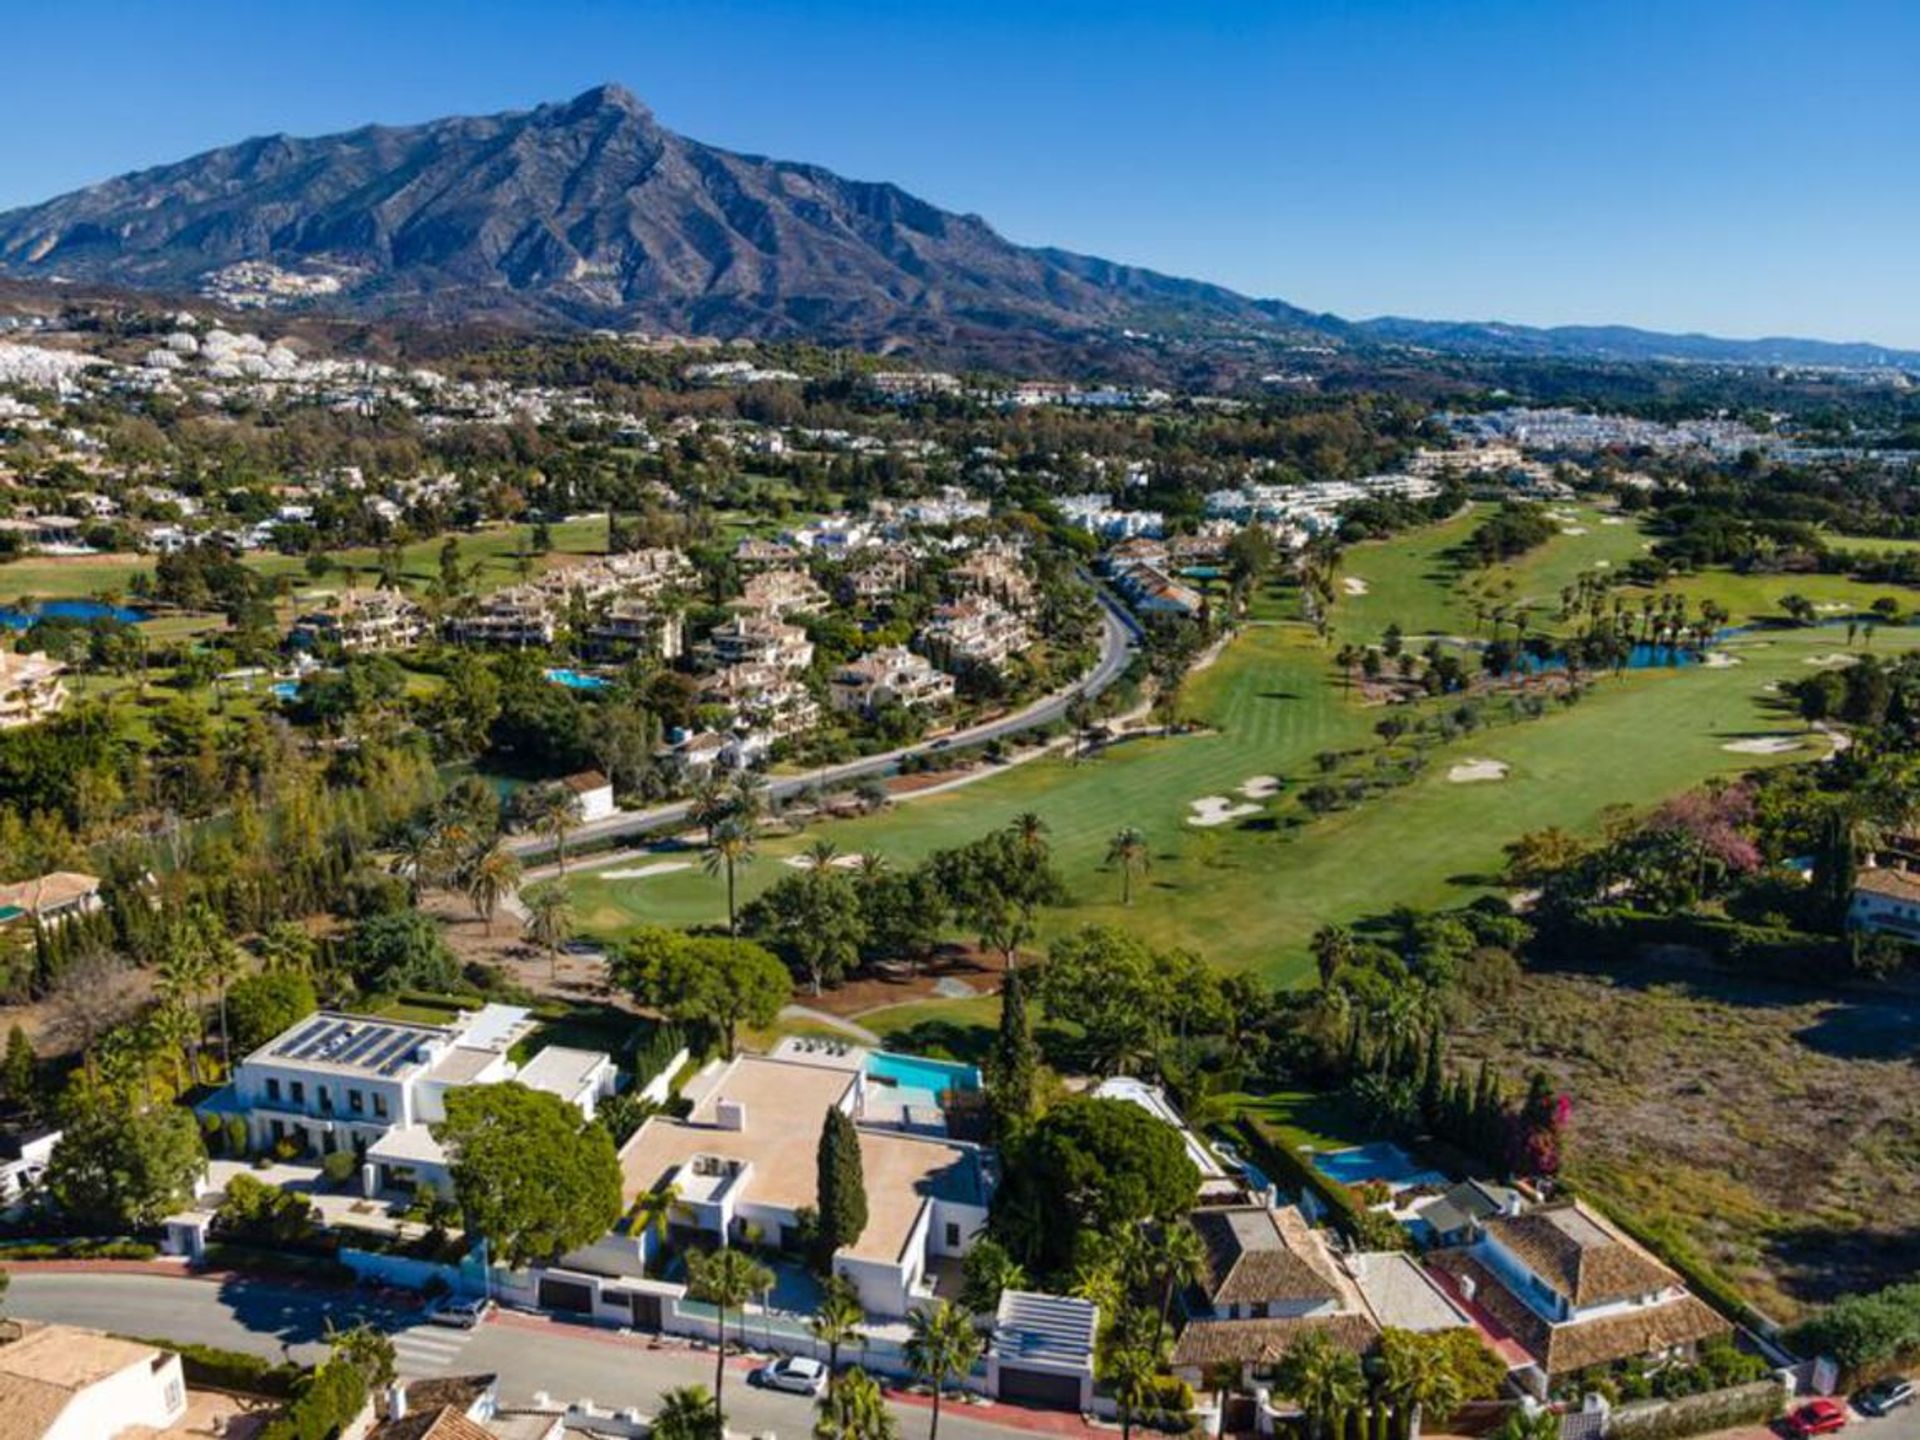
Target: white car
point(460, 1314)
point(795, 1373)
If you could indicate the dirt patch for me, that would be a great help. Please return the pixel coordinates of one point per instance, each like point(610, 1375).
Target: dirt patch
point(1777, 1131)
point(939, 979)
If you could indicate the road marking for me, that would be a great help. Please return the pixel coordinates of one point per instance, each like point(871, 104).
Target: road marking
point(429, 1348)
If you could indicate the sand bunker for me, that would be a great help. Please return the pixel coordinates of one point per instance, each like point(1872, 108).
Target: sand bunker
point(1212, 810)
point(839, 862)
point(1573, 529)
point(641, 872)
point(1719, 660)
point(1603, 564)
point(1469, 771)
point(1353, 585)
point(1765, 745)
point(1832, 660)
point(1260, 787)
point(1613, 520)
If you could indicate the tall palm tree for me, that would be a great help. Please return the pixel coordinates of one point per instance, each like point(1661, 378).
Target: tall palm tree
point(492, 877)
point(653, 1210)
point(1177, 1257)
point(550, 912)
point(726, 1280)
point(1128, 849)
point(1323, 1378)
point(729, 846)
point(855, 1409)
point(710, 803)
point(942, 1346)
point(559, 814)
point(225, 964)
point(687, 1412)
point(1132, 1371)
point(1332, 947)
point(182, 979)
point(836, 1322)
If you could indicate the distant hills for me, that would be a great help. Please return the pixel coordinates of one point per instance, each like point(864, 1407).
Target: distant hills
point(590, 213)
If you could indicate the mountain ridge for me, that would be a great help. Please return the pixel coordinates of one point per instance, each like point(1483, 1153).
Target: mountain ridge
point(589, 212)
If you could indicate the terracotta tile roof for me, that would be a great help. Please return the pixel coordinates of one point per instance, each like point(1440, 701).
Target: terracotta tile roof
point(1560, 1349)
point(444, 1423)
point(1580, 1254)
point(1890, 883)
point(1251, 1257)
point(1262, 1343)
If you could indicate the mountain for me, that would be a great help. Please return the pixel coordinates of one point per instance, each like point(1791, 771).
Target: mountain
point(591, 213)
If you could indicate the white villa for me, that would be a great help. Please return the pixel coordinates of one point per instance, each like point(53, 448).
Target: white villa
point(336, 1082)
point(30, 688)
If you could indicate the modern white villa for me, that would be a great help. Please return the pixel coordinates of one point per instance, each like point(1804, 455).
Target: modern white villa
point(337, 1082)
point(741, 1166)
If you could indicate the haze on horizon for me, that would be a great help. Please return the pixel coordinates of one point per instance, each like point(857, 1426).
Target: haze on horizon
point(1737, 169)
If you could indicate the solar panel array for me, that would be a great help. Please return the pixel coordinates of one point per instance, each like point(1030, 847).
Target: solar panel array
point(360, 1044)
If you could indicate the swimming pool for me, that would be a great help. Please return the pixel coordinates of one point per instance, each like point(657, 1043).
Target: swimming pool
point(915, 1080)
point(12, 617)
point(1381, 1160)
point(574, 680)
point(285, 689)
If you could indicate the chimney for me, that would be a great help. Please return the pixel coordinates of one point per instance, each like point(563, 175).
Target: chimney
point(1468, 1285)
point(397, 1400)
point(730, 1114)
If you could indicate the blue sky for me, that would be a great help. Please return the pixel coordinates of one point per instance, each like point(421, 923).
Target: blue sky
point(1740, 168)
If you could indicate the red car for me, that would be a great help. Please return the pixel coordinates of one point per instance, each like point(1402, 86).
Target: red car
point(1818, 1417)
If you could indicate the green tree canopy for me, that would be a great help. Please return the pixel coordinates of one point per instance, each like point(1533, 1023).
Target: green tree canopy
point(713, 984)
point(121, 1168)
point(1089, 1167)
point(531, 1175)
point(260, 1006)
point(403, 951)
point(814, 921)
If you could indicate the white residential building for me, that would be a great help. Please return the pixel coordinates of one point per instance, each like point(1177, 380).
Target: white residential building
point(59, 1382)
point(892, 675)
point(31, 689)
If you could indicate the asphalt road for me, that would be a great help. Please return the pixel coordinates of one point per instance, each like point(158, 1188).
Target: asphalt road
point(569, 1363)
point(1117, 642)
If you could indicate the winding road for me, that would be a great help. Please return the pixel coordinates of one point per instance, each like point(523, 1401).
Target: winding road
point(1119, 637)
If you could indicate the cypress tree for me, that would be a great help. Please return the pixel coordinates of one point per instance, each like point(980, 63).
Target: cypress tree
point(19, 1073)
point(842, 1184)
point(1014, 1068)
point(1433, 1082)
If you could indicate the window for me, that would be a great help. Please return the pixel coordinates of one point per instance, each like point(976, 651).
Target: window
point(953, 1236)
point(299, 1092)
point(356, 1102)
point(379, 1105)
point(273, 1089)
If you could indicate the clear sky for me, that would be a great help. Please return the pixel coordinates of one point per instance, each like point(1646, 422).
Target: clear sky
point(1743, 167)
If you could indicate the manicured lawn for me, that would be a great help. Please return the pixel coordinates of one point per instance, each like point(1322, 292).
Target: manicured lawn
point(1305, 1118)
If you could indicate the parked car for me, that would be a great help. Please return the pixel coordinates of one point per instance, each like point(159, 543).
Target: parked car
point(796, 1373)
point(1885, 1396)
point(1818, 1417)
point(460, 1314)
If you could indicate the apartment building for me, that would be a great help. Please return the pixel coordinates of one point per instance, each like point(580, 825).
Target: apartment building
point(31, 689)
point(974, 630)
point(781, 593)
point(362, 622)
point(892, 675)
point(510, 619)
point(637, 625)
point(759, 640)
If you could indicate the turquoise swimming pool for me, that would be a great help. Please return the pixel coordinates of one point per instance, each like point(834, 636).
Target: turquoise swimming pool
point(574, 680)
point(915, 1080)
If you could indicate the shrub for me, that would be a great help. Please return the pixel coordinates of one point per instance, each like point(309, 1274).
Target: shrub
point(234, 1130)
point(264, 1214)
point(210, 1366)
point(340, 1167)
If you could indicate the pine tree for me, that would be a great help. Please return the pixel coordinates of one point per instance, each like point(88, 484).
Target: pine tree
point(18, 1072)
point(1013, 1070)
point(842, 1184)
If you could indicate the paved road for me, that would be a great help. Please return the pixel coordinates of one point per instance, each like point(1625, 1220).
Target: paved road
point(569, 1363)
point(1118, 639)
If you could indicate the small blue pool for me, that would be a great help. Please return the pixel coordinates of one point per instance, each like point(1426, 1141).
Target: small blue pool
point(12, 617)
point(915, 1080)
point(574, 680)
point(1381, 1160)
point(285, 689)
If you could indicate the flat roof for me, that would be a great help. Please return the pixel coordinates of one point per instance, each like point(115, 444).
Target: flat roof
point(786, 1102)
point(561, 1070)
point(351, 1045)
point(1401, 1295)
point(1030, 1328)
point(66, 1357)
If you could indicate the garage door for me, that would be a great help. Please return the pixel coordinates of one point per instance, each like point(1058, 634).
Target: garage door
point(1040, 1387)
point(568, 1295)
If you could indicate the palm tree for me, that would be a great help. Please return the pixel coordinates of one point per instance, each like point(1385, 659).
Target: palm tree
point(1030, 830)
point(710, 803)
point(1132, 1371)
point(1177, 1257)
point(942, 1346)
point(837, 1322)
point(1418, 1377)
point(551, 922)
point(559, 813)
point(729, 846)
point(182, 979)
point(491, 878)
point(821, 854)
point(225, 964)
point(726, 1280)
point(855, 1409)
point(653, 1210)
point(1322, 1378)
point(1332, 947)
point(687, 1413)
point(1128, 849)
